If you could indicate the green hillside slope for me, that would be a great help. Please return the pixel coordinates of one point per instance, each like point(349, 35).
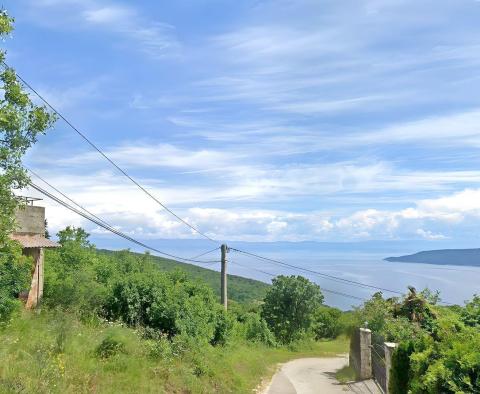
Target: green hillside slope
point(239, 289)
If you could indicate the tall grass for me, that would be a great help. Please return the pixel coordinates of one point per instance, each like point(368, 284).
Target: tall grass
point(53, 352)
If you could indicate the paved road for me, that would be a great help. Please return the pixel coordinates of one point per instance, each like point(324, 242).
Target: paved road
point(315, 376)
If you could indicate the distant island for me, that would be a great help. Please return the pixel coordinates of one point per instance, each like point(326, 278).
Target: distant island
point(470, 257)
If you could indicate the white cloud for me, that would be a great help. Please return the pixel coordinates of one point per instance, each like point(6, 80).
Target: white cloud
point(111, 15)
point(152, 37)
point(429, 235)
point(126, 207)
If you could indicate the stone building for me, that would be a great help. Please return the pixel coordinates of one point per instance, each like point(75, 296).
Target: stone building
point(30, 233)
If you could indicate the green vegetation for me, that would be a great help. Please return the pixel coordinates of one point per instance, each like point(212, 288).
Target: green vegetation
point(439, 346)
point(289, 307)
point(123, 322)
point(239, 289)
point(20, 124)
point(54, 352)
point(116, 322)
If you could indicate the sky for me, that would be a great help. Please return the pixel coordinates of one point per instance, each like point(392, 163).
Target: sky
point(319, 120)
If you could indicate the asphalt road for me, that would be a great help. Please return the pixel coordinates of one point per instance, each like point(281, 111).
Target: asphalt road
point(315, 376)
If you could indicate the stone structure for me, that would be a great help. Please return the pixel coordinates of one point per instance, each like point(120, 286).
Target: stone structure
point(365, 353)
point(360, 357)
point(389, 349)
point(30, 233)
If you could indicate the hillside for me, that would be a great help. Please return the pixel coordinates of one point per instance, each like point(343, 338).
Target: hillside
point(239, 289)
point(469, 257)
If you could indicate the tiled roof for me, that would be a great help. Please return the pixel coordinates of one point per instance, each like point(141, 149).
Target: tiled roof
point(34, 241)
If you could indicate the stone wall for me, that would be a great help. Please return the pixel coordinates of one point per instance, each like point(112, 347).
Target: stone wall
point(30, 220)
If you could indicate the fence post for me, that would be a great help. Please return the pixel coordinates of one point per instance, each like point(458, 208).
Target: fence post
point(365, 353)
point(389, 349)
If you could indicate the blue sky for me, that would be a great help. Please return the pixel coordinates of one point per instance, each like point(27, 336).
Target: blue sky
point(262, 120)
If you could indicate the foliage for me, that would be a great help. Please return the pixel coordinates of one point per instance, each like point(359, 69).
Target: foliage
point(289, 306)
point(21, 121)
point(439, 348)
point(132, 289)
point(73, 234)
point(14, 278)
point(373, 313)
point(31, 363)
point(256, 330)
point(327, 323)
point(110, 346)
point(400, 370)
point(471, 313)
point(240, 289)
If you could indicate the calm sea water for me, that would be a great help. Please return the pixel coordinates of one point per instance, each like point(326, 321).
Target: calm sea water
point(456, 284)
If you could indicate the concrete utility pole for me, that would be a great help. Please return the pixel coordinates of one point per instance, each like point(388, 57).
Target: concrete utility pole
point(224, 249)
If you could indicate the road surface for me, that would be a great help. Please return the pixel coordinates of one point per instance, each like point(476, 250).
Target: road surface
point(315, 376)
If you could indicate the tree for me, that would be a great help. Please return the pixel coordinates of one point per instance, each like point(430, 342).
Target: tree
point(74, 234)
point(289, 306)
point(471, 313)
point(20, 124)
point(47, 233)
point(326, 322)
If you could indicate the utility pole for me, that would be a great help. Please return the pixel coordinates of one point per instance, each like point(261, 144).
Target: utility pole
point(224, 297)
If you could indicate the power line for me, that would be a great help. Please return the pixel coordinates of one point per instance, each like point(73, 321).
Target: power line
point(68, 198)
point(203, 254)
point(322, 288)
point(95, 147)
point(109, 228)
point(332, 277)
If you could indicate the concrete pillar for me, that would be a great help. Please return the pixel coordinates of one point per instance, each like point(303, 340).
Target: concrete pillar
point(36, 288)
point(365, 353)
point(389, 349)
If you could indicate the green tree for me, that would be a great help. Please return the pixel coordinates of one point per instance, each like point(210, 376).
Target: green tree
point(21, 121)
point(471, 312)
point(326, 322)
point(74, 234)
point(289, 306)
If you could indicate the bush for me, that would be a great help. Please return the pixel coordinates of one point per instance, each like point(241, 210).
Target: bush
point(223, 328)
point(400, 370)
point(256, 330)
point(326, 323)
point(14, 278)
point(130, 288)
point(110, 346)
point(160, 349)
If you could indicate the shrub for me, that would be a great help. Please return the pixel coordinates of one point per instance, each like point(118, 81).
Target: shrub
point(400, 369)
point(223, 328)
point(160, 349)
point(326, 323)
point(14, 278)
point(256, 330)
point(110, 346)
point(471, 313)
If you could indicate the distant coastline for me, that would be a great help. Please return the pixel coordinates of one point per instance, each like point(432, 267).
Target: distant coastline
point(461, 257)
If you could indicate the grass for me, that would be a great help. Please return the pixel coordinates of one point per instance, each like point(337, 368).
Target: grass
point(346, 374)
point(53, 352)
